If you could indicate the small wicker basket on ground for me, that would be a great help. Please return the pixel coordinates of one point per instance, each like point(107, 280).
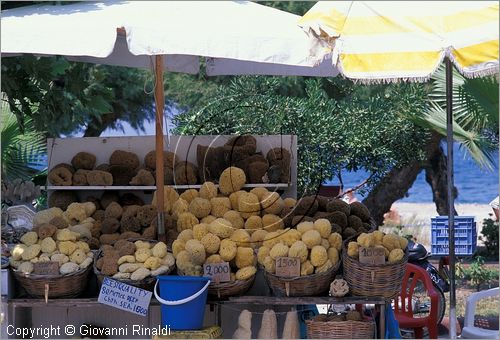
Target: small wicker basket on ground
point(148, 283)
point(340, 329)
point(310, 285)
point(383, 280)
point(54, 286)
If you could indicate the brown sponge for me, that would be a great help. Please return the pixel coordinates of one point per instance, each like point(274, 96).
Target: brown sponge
point(46, 230)
point(146, 214)
point(59, 222)
point(107, 197)
point(83, 160)
point(60, 176)
point(98, 177)
point(62, 199)
point(114, 210)
point(185, 173)
point(130, 221)
point(143, 177)
point(122, 174)
point(80, 177)
point(124, 158)
point(130, 199)
point(169, 159)
point(110, 225)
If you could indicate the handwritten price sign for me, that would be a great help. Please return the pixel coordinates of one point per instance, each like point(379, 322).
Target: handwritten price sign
point(371, 255)
point(288, 266)
point(219, 272)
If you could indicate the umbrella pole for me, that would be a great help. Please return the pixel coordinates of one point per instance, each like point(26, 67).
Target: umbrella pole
point(451, 210)
point(159, 106)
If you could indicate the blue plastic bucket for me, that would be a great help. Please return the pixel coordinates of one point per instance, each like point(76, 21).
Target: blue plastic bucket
point(183, 300)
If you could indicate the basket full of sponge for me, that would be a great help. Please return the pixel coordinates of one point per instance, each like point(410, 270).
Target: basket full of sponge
point(382, 278)
point(134, 262)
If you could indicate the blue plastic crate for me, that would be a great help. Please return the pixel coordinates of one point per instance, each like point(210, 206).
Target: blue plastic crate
point(465, 235)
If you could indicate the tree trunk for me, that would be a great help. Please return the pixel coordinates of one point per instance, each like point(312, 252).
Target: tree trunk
point(436, 175)
point(397, 182)
point(391, 188)
point(96, 127)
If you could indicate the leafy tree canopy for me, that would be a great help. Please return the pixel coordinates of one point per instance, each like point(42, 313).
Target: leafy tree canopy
point(333, 135)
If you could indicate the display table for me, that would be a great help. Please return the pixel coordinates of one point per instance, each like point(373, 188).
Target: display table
point(28, 304)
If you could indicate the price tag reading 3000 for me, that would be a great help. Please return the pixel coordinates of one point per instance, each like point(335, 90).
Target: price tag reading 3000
point(218, 272)
point(288, 266)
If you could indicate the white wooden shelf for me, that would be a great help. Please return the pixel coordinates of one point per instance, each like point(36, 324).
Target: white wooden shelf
point(151, 188)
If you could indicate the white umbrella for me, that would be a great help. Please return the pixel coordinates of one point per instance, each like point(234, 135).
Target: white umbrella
point(235, 38)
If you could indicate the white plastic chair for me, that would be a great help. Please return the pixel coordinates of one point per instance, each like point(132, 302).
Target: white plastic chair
point(470, 331)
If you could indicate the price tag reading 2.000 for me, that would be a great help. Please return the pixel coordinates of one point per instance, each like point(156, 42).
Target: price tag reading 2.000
point(288, 266)
point(218, 272)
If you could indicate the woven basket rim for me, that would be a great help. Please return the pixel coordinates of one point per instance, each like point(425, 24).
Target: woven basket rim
point(228, 284)
point(306, 277)
point(43, 276)
point(342, 322)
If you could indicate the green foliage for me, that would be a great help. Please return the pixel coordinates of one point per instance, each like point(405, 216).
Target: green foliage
point(333, 135)
point(478, 274)
point(61, 96)
point(475, 112)
point(490, 238)
point(23, 154)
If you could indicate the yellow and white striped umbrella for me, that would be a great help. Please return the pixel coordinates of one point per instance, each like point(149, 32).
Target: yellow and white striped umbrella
point(375, 41)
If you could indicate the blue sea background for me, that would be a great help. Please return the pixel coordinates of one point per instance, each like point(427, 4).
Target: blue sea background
point(474, 184)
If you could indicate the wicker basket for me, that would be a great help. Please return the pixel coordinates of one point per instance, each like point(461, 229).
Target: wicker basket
point(147, 283)
point(340, 329)
point(54, 286)
point(310, 285)
point(374, 280)
point(226, 289)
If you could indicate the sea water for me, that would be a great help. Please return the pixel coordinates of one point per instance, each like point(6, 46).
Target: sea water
point(475, 185)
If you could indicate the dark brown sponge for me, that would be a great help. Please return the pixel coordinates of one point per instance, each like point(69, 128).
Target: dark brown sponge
point(307, 205)
point(122, 175)
point(110, 225)
point(83, 160)
point(169, 160)
point(360, 210)
point(62, 198)
point(124, 158)
point(107, 197)
point(143, 177)
point(185, 173)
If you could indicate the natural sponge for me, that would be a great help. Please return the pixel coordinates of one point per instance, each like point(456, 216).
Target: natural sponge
point(235, 218)
point(169, 159)
point(211, 243)
point(272, 203)
point(197, 251)
point(190, 195)
point(186, 221)
point(318, 256)
point(221, 227)
point(220, 205)
point(311, 238)
point(248, 204)
point(185, 173)
point(227, 250)
point(83, 160)
point(232, 179)
point(245, 257)
point(200, 207)
point(124, 158)
point(98, 177)
point(60, 176)
point(143, 177)
point(208, 190)
point(299, 249)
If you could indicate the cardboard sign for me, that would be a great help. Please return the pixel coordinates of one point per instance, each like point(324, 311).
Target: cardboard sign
point(288, 266)
point(46, 268)
point(125, 297)
point(371, 255)
point(218, 272)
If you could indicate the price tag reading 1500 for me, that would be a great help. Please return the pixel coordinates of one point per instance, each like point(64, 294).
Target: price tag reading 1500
point(288, 266)
point(218, 272)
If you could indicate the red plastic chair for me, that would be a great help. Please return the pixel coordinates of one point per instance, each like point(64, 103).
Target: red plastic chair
point(403, 310)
